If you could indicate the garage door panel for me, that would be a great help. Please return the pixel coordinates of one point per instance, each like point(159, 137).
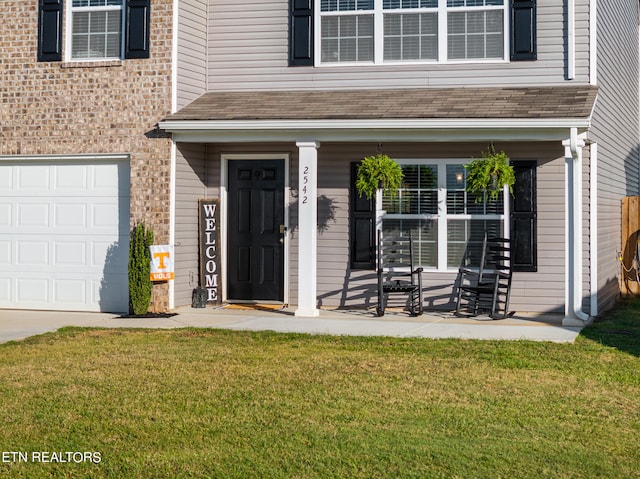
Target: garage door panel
point(32, 291)
point(113, 256)
point(5, 253)
point(69, 291)
point(5, 291)
point(33, 215)
point(5, 213)
point(64, 235)
point(32, 178)
point(70, 254)
point(33, 253)
point(70, 215)
point(67, 178)
point(111, 292)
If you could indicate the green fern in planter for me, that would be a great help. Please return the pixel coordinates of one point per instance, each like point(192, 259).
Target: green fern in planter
point(378, 171)
point(140, 285)
point(489, 174)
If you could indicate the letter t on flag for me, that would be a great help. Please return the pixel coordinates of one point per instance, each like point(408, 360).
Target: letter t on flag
point(161, 262)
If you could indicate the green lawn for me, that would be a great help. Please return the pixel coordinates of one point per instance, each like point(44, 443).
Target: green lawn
point(208, 403)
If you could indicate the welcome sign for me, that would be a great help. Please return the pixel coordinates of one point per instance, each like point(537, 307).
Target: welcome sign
point(210, 249)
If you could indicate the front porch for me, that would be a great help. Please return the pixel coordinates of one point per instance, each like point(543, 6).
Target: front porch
point(315, 140)
point(396, 323)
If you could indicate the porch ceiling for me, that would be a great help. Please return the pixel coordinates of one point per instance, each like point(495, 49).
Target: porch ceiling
point(435, 114)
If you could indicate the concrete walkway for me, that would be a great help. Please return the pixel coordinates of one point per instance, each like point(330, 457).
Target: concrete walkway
point(16, 324)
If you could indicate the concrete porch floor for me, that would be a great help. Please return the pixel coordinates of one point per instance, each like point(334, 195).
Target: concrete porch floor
point(19, 324)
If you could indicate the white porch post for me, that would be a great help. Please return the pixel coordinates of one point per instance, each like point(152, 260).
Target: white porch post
point(307, 228)
point(574, 316)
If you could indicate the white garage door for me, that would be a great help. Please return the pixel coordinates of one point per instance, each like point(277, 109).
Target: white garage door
point(64, 234)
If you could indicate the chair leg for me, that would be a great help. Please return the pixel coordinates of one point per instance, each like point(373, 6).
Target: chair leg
point(380, 306)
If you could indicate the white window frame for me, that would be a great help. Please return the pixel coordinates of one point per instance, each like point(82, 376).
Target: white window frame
point(71, 10)
point(378, 33)
point(442, 217)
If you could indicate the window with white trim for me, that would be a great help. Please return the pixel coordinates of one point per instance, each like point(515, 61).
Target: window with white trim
point(446, 223)
point(96, 29)
point(386, 31)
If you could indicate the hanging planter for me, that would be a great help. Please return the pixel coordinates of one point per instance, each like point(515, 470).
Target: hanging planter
point(378, 172)
point(489, 174)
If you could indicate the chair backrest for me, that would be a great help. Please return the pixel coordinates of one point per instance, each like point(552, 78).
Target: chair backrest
point(497, 256)
point(395, 253)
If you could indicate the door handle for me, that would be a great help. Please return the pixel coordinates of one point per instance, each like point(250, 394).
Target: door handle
point(283, 229)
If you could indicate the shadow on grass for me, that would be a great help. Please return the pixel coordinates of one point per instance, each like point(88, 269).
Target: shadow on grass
point(618, 328)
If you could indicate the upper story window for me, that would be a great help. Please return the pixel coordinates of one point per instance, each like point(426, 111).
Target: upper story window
point(386, 31)
point(96, 29)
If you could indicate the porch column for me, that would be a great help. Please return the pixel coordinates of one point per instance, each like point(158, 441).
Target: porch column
point(307, 227)
point(574, 316)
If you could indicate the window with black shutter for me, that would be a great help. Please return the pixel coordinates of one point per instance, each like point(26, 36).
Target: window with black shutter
point(96, 29)
point(137, 20)
point(524, 218)
point(523, 30)
point(50, 30)
point(411, 31)
point(362, 226)
point(301, 33)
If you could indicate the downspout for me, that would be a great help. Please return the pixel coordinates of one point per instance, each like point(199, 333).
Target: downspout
point(574, 316)
point(571, 39)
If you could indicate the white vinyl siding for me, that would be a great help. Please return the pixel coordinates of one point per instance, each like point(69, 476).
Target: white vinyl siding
point(192, 51)
point(248, 50)
point(615, 129)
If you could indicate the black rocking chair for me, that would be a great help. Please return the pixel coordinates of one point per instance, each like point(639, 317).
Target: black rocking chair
point(488, 288)
point(397, 273)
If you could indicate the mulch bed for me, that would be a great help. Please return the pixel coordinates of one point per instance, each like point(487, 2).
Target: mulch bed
point(149, 315)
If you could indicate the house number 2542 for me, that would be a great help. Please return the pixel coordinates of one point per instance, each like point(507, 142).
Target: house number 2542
point(305, 181)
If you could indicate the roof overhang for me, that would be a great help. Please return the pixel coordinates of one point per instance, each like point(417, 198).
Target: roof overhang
point(411, 115)
point(409, 130)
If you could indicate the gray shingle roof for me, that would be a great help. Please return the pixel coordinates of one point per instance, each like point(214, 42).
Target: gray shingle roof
point(552, 102)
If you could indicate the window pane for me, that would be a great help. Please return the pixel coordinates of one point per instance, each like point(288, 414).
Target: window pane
point(459, 202)
point(347, 38)
point(464, 240)
point(391, 4)
point(418, 194)
point(345, 5)
point(96, 34)
point(424, 234)
point(475, 34)
point(411, 36)
point(96, 3)
point(474, 3)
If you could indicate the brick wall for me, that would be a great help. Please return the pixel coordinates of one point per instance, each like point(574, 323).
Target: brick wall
point(64, 108)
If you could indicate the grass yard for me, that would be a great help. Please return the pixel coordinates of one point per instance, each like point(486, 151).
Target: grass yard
point(209, 403)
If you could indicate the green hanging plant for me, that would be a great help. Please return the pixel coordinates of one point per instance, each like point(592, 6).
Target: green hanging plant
point(489, 174)
point(378, 171)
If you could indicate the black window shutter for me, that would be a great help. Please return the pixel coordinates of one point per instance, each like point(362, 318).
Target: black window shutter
point(137, 20)
point(50, 30)
point(301, 33)
point(523, 30)
point(363, 227)
point(524, 256)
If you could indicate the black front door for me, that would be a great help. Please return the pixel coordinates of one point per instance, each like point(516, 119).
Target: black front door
point(255, 239)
